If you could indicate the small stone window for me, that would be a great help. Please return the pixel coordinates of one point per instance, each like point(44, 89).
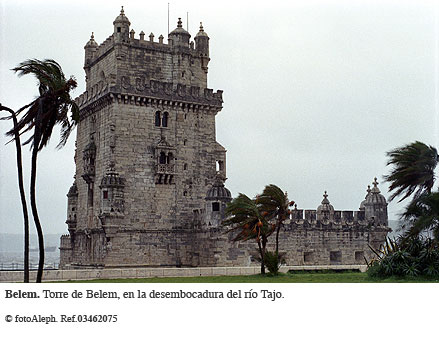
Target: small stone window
point(335, 257)
point(359, 257)
point(118, 30)
point(215, 206)
point(308, 257)
point(165, 119)
point(157, 119)
point(185, 193)
point(185, 167)
point(105, 194)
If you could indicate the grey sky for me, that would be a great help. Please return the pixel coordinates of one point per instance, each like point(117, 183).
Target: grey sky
point(315, 92)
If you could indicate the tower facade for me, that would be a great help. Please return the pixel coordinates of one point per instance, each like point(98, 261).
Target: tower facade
point(149, 181)
point(146, 152)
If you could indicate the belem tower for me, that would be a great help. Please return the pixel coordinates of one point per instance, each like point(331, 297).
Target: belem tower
point(149, 183)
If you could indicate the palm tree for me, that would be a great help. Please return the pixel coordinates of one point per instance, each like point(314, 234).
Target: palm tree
point(42, 114)
point(274, 204)
point(423, 215)
point(413, 171)
point(21, 188)
point(246, 219)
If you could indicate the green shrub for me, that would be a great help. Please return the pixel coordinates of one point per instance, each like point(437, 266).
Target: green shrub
point(410, 257)
point(273, 262)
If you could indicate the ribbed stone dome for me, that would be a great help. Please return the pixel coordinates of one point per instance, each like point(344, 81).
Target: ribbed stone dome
point(375, 197)
point(112, 178)
point(91, 43)
point(325, 206)
point(121, 18)
point(219, 192)
point(201, 32)
point(179, 29)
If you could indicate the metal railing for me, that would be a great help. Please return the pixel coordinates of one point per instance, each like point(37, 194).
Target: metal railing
point(15, 266)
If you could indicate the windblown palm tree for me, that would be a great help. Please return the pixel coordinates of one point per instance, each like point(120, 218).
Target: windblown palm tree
point(21, 189)
point(274, 204)
point(413, 171)
point(247, 221)
point(42, 114)
point(423, 215)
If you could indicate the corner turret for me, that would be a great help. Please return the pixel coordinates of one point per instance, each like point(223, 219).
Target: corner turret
point(202, 47)
point(375, 206)
point(325, 211)
point(90, 49)
point(121, 27)
point(179, 36)
point(217, 198)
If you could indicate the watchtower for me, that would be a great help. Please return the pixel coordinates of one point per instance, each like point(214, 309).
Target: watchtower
point(146, 151)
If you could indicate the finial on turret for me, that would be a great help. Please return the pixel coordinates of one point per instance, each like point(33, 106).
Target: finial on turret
point(179, 23)
point(142, 35)
point(325, 195)
point(151, 37)
point(201, 27)
point(92, 36)
point(122, 12)
point(375, 188)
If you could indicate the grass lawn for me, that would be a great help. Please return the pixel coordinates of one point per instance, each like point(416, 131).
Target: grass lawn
point(301, 277)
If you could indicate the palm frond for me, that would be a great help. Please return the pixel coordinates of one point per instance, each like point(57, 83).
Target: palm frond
point(413, 170)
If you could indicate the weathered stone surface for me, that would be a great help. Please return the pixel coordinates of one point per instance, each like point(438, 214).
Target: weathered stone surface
point(149, 182)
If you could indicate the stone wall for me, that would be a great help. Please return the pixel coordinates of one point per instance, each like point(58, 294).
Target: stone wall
point(301, 244)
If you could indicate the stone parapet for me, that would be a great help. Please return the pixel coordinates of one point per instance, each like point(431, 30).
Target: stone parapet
point(161, 91)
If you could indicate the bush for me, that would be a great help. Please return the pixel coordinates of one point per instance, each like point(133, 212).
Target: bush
point(273, 262)
point(406, 257)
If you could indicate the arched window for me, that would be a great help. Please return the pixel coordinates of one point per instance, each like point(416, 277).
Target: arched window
point(165, 119)
point(162, 159)
point(157, 119)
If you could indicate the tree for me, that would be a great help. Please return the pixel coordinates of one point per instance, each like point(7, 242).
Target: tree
point(50, 108)
point(413, 175)
point(21, 189)
point(246, 220)
point(413, 171)
point(275, 205)
point(423, 215)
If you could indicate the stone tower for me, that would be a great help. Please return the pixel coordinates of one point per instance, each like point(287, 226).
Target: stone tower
point(146, 152)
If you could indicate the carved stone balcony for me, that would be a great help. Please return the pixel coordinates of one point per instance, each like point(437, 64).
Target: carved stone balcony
point(165, 168)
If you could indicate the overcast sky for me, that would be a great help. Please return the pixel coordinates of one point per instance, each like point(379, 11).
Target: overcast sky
point(315, 92)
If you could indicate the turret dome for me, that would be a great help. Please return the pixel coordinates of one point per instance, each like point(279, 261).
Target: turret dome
point(121, 18)
point(375, 197)
point(179, 29)
point(218, 191)
point(201, 32)
point(91, 43)
point(326, 205)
